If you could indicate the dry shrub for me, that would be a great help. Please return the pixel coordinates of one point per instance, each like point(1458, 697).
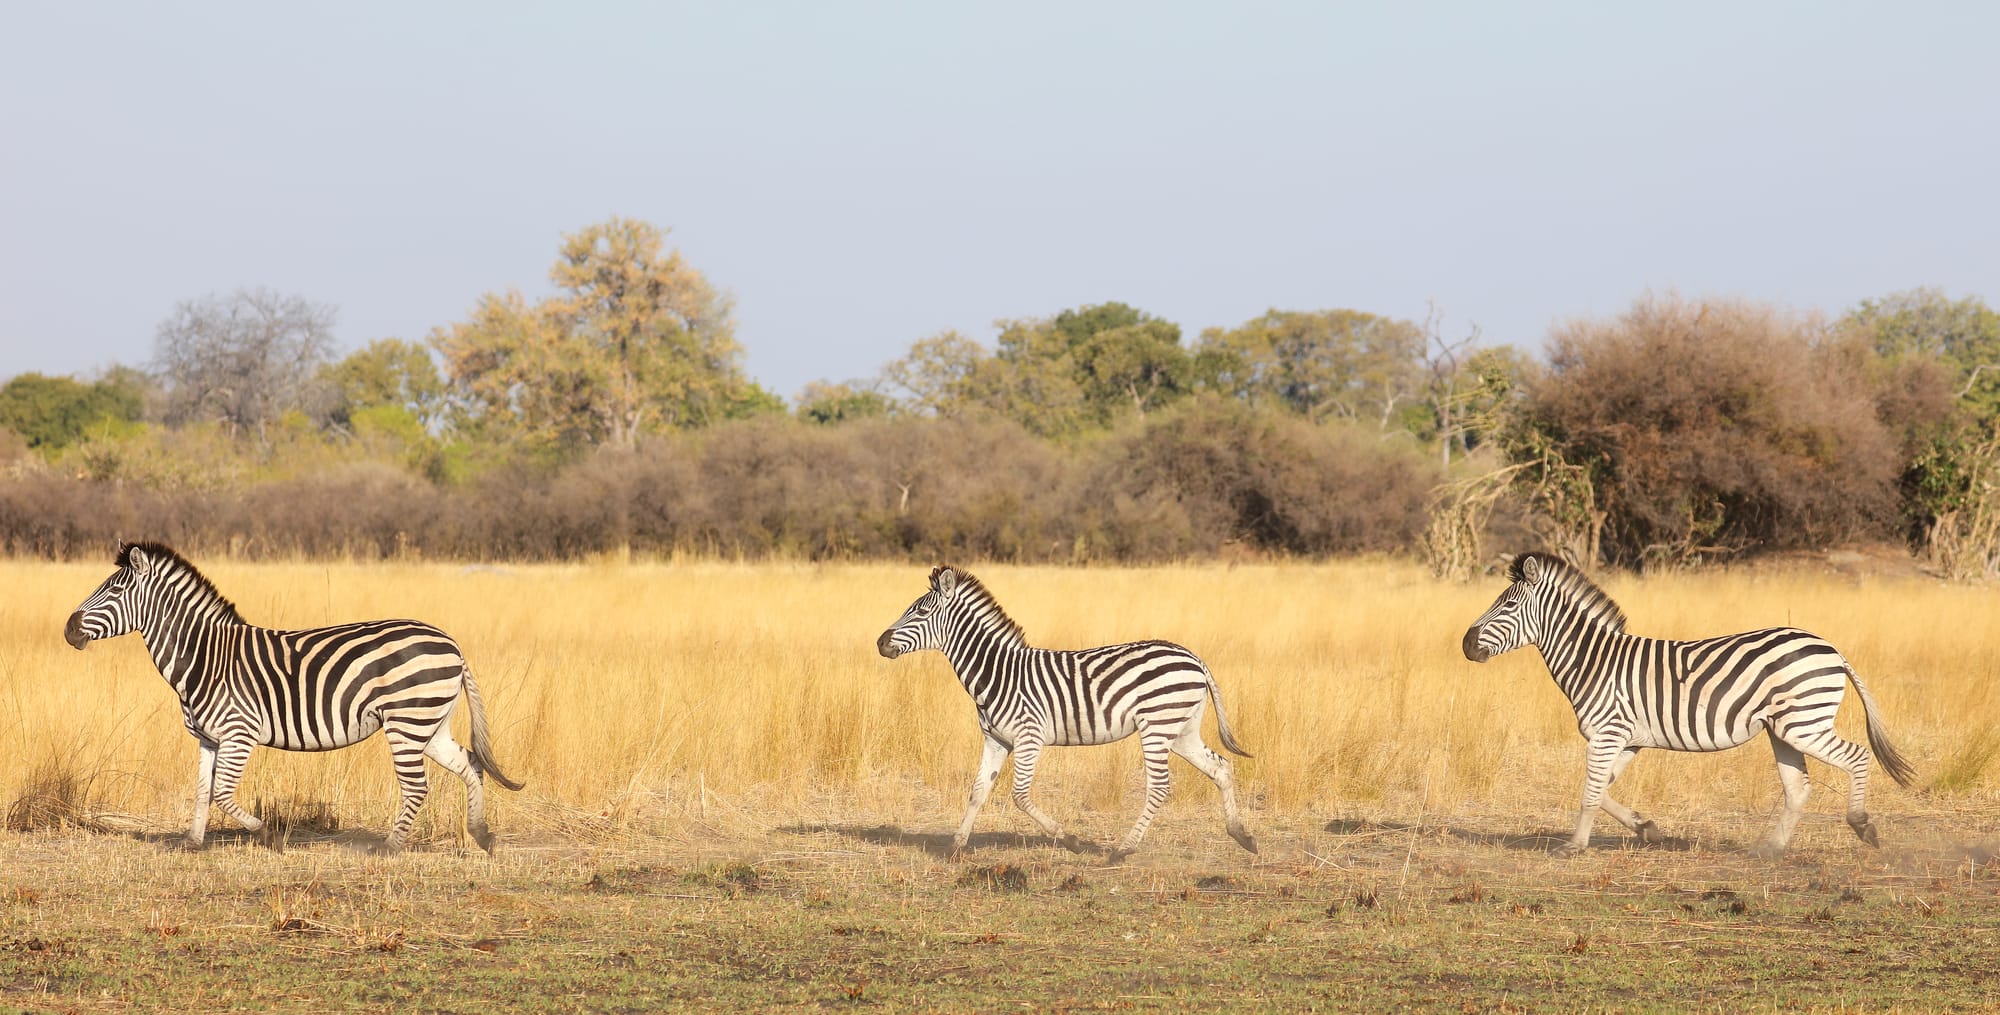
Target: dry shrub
point(1716, 427)
point(54, 795)
point(1186, 483)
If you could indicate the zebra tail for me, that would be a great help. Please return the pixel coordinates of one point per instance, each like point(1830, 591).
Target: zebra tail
point(1222, 716)
point(482, 744)
point(1892, 760)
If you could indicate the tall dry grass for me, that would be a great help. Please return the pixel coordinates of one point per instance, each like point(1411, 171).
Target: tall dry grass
point(653, 697)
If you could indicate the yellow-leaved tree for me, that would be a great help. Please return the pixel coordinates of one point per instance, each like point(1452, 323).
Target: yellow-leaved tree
point(635, 341)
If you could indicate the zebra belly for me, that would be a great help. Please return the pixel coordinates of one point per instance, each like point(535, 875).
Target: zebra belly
point(353, 733)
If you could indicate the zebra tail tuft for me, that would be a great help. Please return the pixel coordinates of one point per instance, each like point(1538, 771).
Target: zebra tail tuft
point(1892, 760)
point(482, 745)
point(1222, 717)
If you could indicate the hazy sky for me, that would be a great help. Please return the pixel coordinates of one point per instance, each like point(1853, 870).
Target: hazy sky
point(859, 176)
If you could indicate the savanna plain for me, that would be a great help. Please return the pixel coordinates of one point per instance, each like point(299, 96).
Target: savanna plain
point(734, 803)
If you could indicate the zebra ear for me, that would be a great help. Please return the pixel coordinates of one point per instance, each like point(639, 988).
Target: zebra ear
point(138, 560)
point(1531, 569)
point(945, 580)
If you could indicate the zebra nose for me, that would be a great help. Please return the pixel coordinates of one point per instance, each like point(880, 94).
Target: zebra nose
point(73, 631)
point(886, 647)
point(1471, 645)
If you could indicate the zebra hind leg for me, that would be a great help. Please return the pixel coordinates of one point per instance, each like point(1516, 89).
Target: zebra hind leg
point(446, 751)
point(1798, 786)
point(1852, 758)
point(1157, 748)
point(406, 752)
point(1189, 745)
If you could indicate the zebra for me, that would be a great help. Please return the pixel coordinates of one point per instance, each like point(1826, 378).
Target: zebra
point(243, 686)
point(1030, 698)
point(1711, 694)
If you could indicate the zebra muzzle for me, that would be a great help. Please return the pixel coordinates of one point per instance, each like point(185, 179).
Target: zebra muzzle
point(887, 647)
point(73, 632)
point(1471, 646)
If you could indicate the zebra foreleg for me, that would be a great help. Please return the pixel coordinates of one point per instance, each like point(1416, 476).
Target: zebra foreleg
point(1189, 745)
point(1642, 827)
point(1027, 751)
point(1157, 748)
point(990, 759)
point(204, 791)
point(447, 752)
point(228, 759)
point(1600, 757)
point(406, 752)
point(1792, 773)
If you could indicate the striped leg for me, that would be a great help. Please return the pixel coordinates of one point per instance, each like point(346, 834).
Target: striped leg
point(990, 759)
point(1854, 759)
point(1792, 773)
point(406, 752)
point(1027, 751)
point(1189, 745)
point(204, 791)
point(1642, 827)
point(230, 758)
point(1600, 756)
point(447, 752)
point(1157, 747)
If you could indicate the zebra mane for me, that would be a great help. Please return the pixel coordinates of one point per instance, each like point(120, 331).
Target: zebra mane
point(197, 584)
point(979, 600)
point(1573, 588)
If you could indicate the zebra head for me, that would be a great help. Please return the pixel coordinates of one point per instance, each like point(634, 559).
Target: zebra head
point(1514, 619)
point(115, 607)
point(922, 626)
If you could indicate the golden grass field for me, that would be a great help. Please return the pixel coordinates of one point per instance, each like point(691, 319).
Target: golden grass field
point(630, 695)
point(687, 729)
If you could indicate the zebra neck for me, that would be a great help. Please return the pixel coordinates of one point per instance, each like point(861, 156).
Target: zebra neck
point(1581, 661)
point(185, 650)
point(979, 652)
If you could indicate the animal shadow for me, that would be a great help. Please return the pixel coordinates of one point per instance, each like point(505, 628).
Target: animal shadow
point(1534, 842)
point(352, 840)
point(938, 844)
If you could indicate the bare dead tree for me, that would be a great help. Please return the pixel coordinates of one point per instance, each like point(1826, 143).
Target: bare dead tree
point(1443, 359)
point(244, 359)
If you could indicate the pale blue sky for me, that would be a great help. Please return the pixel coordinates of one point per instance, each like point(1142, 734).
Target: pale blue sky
point(859, 176)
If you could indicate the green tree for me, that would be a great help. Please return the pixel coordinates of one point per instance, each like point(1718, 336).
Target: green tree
point(51, 413)
point(635, 341)
point(1325, 363)
point(1112, 355)
point(1963, 335)
point(826, 402)
point(387, 373)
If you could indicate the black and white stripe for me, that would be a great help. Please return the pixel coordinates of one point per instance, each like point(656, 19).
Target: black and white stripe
point(243, 686)
point(1030, 698)
point(1712, 694)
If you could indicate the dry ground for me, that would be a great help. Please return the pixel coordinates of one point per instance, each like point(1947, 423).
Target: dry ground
point(1354, 912)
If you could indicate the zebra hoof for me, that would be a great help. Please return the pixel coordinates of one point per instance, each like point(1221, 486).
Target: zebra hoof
point(1568, 850)
point(1866, 830)
point(1244, 839)
point(1649, 834)
point(185, 844)
point(271, 838)
point(1767, 851)
point(1118, 855)
point(388, 847)
point(1071, 843)
point(485, 838)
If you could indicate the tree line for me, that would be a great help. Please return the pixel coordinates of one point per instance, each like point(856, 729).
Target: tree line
point(615, 416)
